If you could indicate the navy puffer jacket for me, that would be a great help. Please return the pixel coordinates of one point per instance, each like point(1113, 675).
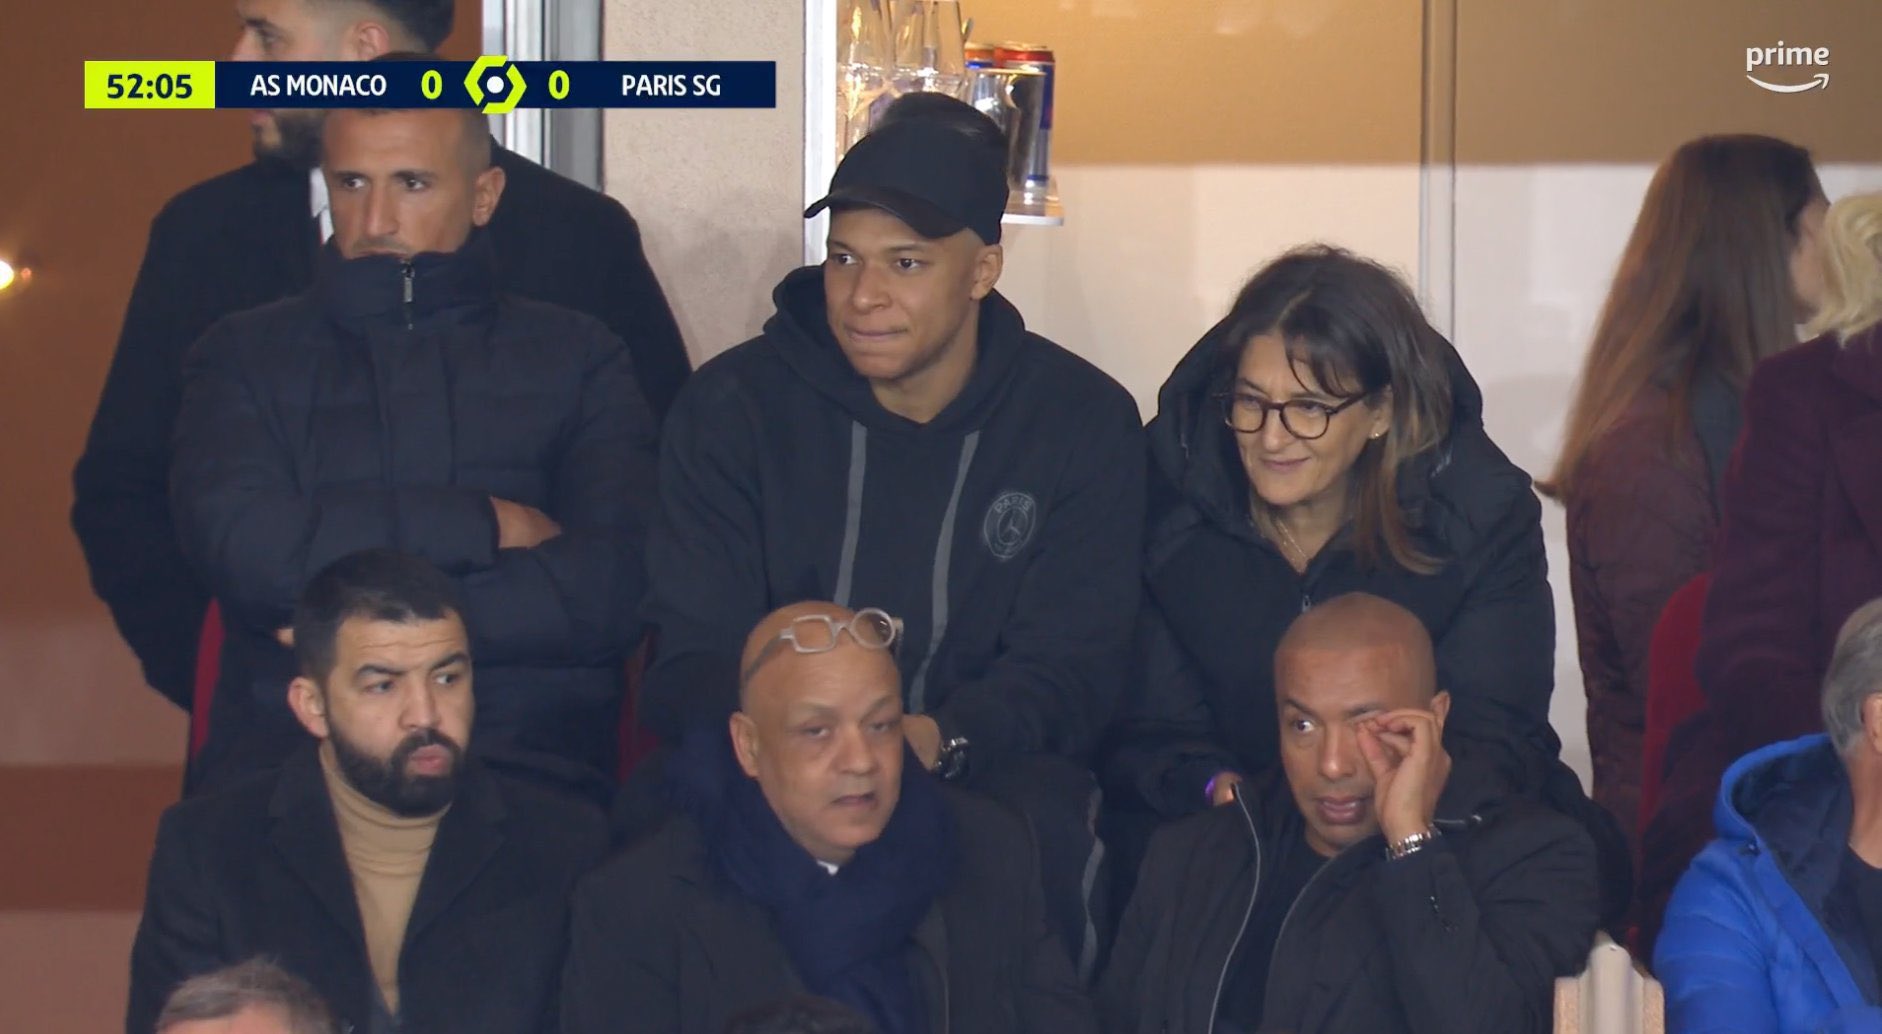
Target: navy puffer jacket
point(384, 409)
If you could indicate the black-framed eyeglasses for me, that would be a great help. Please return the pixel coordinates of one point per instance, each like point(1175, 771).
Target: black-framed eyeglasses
point(1247, 413)
point(872, 629)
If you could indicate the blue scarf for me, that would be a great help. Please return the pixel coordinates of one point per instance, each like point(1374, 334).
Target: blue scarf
point(847, 935)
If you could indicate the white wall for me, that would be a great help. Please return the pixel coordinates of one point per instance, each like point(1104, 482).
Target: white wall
point(716, 192)
point(1151, 256)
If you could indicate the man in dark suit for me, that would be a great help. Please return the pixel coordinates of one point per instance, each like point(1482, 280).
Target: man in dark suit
point(416, 890)
point(249, 237)
point(815, 854)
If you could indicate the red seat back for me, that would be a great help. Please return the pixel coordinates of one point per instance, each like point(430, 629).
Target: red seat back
point(636, 741)
point(208, 667)
point(1673, 693)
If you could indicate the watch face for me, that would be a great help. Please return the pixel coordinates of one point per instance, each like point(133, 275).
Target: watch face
point(953, 758)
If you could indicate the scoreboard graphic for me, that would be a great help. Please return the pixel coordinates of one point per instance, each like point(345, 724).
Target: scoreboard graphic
point(492, 84)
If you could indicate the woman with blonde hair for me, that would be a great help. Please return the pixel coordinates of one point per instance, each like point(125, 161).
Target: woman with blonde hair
point(1852, 259)
point(1800, 551)
point(1720, 270)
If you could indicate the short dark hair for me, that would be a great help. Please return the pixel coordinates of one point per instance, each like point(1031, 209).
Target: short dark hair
point(480, 149)
point(255, 984)
point(375, 584)
point(427, 21)
point(800, 1014)
point(950, 111)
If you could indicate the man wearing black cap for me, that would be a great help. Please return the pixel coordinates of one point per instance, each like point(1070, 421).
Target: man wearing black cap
point(897, 436)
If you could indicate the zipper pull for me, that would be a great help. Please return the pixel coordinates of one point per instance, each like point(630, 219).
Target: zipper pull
point(408, 274)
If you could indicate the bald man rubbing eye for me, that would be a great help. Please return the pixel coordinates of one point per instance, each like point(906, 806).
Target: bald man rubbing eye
point(1370, 884)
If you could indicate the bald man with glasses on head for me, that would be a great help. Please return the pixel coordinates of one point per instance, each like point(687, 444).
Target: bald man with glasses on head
point(812, 852)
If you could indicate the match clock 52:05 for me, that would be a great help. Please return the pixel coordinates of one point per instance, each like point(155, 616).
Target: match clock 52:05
point(138, 87)
point(150, 84)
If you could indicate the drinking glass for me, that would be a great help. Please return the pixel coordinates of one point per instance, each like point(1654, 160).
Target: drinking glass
point(865, 68)
point(930, 52)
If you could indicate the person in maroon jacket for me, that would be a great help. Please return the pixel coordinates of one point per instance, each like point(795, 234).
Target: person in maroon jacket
point(1719, 267)
point(1800, 551)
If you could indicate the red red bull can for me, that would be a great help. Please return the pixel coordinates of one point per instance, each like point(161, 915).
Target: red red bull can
point(1036, 57)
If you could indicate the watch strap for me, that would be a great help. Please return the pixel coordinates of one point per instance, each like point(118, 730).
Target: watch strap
point(1412, 844)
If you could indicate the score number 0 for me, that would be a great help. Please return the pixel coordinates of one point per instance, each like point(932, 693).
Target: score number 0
point(431, 84)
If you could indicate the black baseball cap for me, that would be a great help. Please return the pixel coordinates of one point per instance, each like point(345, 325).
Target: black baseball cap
point(926, 173)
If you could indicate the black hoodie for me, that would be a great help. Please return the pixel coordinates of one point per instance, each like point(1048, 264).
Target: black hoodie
point(1220, 596)
point(1005, 532)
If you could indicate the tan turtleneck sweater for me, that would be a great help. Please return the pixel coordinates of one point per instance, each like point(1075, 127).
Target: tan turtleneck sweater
point(386, 854)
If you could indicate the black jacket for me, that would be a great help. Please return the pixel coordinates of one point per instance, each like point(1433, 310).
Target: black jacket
point(1464, 937)
point(664, 944)
point(1006, 528)
point(259, 870)
point(1220, 596)
point(347, 418)
point(247, 238)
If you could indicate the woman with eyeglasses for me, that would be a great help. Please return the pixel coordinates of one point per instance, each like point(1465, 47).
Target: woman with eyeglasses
point(1323, 439)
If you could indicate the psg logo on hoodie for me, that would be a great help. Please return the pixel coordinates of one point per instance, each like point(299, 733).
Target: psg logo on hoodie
point(1009, 524)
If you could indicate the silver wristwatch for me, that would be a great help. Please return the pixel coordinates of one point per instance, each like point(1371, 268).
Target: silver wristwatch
point(1412, 844)
point(951, 764)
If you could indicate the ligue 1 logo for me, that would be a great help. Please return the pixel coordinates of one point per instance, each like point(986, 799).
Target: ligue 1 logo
point(495, 92)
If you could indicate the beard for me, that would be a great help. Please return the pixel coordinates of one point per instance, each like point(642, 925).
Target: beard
point(295, 141)
point(385, 782)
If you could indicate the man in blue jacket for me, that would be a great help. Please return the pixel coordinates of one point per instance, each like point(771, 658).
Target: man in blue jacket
point(1777, 924)
point(897, 435)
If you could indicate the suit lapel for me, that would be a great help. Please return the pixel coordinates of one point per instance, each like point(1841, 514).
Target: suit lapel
point(737, 938)
point(468, 838)
point(931, 938)
point(725, 929)
point(307, 840)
